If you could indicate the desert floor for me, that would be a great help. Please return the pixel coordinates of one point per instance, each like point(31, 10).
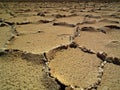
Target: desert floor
point(59, 46)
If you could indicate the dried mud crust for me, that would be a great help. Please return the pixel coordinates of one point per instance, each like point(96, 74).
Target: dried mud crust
point(21, 70)
point(38, 27)
point(92, 40)
point(111, 78)
point(98, 41)
point(40, 38)
point(74, 67)
point(5, 33)
point(37, 43)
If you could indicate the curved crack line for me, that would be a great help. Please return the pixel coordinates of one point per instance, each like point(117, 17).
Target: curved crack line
point(13, 35)
point(104, 57)
point(74, 45)
point(99, 77)
point(47, 71)
point(84, 49)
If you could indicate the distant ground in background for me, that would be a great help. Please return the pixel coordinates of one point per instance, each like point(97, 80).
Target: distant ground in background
point(63, 0)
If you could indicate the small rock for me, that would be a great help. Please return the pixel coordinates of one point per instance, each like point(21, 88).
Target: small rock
point(73, 45)
point(100, 69)
point(103, 31)
point(99, 81)
point(102, 55)
point(102, 65)
point(94, 86)
point(91, 51)
point(109, 59)
point(2, 52)
point(84, 49)
point(40, 31)
point(2, 20)
point(99, 76)
point(104, 62)
point(12, 37)
point(116, 61)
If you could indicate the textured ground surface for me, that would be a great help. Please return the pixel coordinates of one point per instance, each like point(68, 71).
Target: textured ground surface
point(49, 28)
point(111, 78)
point(74, 67)
point(20, 71)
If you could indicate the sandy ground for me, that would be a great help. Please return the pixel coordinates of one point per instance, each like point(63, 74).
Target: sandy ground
point(101, 42)
point(5, 33)
point(74, 67)
point(48, 38)
point(111, 78)
point(19, 71)
point(40, 28)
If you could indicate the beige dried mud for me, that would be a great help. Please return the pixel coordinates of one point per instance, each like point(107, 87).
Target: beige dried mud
point(111, 78)
point(5, 34)
point(71, 20)
point(98, 41)
point(31, 19)
point(35, 42)
point(73, 67)
point(5, 16)
point(21, 70)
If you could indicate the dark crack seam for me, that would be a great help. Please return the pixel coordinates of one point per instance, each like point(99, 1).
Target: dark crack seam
point(62, 86)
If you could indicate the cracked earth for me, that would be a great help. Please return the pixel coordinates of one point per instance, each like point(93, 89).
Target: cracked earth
point(59, 46)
